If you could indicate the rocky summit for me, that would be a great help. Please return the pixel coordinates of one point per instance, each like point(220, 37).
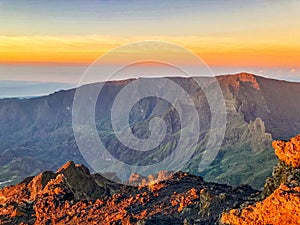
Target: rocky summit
point(72, 195)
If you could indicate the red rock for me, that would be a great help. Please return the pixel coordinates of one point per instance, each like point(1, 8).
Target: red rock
point(289, 151)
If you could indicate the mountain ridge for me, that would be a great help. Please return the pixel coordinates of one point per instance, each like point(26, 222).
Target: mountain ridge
point(36, 134)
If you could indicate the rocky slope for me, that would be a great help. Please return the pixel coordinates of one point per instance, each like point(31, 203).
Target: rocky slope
point(36, 134)
point(73, 195)
point(38, 199)
point(281, 195)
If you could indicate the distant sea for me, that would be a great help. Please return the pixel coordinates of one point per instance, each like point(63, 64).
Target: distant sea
point(30, 89)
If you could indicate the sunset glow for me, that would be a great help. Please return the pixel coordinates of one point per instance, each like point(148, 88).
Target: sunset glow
point(260, 37)
point(85, 49)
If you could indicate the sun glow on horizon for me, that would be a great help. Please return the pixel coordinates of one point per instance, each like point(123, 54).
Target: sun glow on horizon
point(238, 36)
point(85, 49)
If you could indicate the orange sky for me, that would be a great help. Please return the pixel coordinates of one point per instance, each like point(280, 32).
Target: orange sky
point(238, 35)
point(222, 51)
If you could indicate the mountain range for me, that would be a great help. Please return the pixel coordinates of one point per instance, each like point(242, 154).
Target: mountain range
point(36, 134)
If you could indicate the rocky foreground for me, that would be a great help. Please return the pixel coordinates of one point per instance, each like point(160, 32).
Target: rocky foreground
point(281, 204)
point(74, 196)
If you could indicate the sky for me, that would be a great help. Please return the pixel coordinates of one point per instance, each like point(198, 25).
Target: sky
point(55, 41)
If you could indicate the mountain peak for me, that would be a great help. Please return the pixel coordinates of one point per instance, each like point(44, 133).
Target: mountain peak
point(66, 166)
point(235, 80)
point(71, 166)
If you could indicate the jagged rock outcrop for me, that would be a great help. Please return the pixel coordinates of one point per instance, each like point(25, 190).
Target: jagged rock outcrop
point(40, 199)
point(282, 207)
point(288, 151)
point(280, 203)
point(73, 196)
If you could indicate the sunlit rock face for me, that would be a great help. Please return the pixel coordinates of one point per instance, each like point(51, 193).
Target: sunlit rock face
point(288, 152)
point(282, 207)
point(280, 203)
